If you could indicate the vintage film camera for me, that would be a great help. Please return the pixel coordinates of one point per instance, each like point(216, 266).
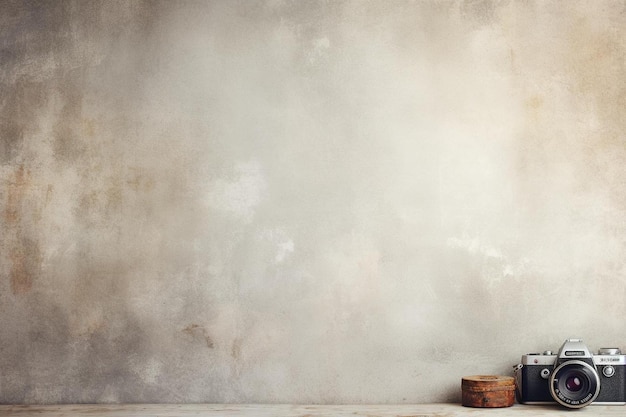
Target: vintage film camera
point(573, 378)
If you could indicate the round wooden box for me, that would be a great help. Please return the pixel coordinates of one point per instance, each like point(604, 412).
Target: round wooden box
point(489, 391)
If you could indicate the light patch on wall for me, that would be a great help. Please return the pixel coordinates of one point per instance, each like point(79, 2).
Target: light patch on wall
point(238, 196)
point(284, 248)
point(283, 243)
point(474, 246)
point(495, 265)
point(518, 269)
point(319, 49)
point(149, 371)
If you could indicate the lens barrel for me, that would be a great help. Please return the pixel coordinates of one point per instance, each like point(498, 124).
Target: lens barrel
point(574, 384)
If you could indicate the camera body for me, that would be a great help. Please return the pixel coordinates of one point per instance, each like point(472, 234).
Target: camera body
point(573, 377)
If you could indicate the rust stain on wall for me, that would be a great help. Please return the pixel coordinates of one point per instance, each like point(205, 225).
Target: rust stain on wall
point(198, 332)
point(24, 252)
point(139, 182)
point(91, 327)
point(25, 264)
point(21, 281)
point(17, 188)
point(534, 106)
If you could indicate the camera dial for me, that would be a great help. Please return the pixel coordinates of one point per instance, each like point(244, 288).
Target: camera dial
point(609, 351)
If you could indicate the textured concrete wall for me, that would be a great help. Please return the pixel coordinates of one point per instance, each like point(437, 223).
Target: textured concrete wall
point(305, 201)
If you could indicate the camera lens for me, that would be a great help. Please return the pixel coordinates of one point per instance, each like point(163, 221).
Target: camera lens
point(574, 384)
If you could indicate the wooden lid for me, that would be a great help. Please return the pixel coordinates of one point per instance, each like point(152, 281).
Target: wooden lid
point(488, 383)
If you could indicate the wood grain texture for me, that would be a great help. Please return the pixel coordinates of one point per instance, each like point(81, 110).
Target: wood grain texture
point(285, 410)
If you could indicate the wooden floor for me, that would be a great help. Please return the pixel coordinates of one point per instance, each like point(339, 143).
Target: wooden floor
point(226, 410)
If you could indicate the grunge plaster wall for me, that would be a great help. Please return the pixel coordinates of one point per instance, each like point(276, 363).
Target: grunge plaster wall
point(305, 201)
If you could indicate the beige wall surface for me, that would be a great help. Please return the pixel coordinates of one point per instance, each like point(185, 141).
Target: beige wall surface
point(305, 201)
